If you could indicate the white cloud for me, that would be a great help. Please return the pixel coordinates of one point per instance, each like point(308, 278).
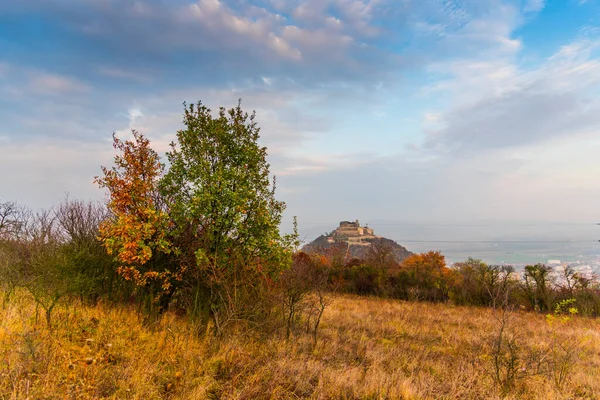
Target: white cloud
point(47, 83)
point(317, 41)
point(534, 5)
point(222, 20)
point(432, 117)
point(333, 22)
point(498, 103)
point(312, 11)
point(489, 34)
point(134, 113)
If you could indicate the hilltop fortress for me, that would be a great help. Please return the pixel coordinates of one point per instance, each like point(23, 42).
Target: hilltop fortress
point(352, 233)
point(356, 241)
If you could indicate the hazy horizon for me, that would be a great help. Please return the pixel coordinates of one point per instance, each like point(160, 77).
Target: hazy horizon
point(509, 242)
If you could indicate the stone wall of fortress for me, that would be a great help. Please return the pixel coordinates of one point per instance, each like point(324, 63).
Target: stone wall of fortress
point(352, 229)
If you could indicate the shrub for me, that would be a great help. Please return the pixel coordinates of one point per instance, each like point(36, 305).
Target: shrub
point(426, 276)
point(482, 285)
point(537, 285)
point(303, 288)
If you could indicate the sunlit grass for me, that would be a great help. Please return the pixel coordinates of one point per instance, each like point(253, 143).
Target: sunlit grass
point(367, 349)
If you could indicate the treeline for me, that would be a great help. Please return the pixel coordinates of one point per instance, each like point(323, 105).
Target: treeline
point(472, 282)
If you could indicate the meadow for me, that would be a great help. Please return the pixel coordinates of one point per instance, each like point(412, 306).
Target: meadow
point(367, 348)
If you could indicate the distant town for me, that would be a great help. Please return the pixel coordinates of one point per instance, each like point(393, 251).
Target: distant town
point(586, 268)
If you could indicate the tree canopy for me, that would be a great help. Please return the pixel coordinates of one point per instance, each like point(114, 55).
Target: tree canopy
point(209, 225)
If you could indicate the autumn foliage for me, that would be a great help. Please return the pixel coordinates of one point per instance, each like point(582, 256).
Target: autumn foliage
point(138, 226)
point(425, 276)
point(203, 234)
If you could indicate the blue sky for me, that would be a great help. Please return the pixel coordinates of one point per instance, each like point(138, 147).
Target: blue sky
point(420, 110)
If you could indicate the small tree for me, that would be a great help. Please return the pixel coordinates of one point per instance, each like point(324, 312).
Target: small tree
point(42, 271)
point(481, 284)
point(508, 361)
point(296, 283)
point(223, 206)
point(468, 289)
point(425, 276)
point(381, 256)
point(303, 288)
point(537, 287)
point(13, 220)
point(90, 269)
point(136, 231)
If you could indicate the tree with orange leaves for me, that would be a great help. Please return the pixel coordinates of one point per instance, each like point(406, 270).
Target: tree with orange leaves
point(136, 232)
point(426, 276)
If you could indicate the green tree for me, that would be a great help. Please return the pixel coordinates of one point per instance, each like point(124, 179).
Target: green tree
point(481, 284)
point(222, 203)
point(537, 286)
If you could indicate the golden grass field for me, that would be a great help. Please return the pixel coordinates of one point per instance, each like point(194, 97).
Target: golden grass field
point(367, 349)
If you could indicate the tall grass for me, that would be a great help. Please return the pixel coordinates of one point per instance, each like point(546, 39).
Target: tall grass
point(368, 349)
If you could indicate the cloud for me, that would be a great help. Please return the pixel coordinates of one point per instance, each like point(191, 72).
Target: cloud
point(534, 5)
point(235, 31)
point(529, 115)
point(227, 42)
point(300, 169)
point(310, 11)
point(134, 113)
point(500, 105)
point(23, 81)
point(486, 34)
point(215, 41)
point(432, 117)
point(52, 84)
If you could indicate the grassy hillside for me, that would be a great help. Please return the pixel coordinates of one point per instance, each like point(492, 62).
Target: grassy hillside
point(367, 349)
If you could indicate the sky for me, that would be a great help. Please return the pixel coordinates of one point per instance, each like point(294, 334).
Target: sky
point(380, 110)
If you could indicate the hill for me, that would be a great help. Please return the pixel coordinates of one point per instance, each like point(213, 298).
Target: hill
point(356, 241)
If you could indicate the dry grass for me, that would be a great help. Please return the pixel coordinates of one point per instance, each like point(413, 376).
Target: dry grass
point(367, 349)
